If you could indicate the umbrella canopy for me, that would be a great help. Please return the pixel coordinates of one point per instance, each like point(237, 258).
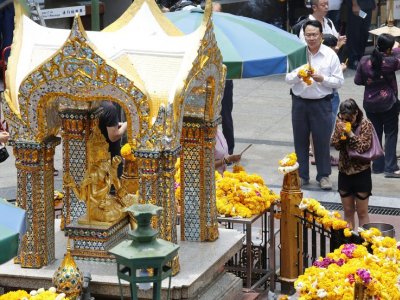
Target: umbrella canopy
point(250, 48)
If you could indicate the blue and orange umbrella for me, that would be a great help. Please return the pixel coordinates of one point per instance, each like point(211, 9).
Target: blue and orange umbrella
point(250, 48)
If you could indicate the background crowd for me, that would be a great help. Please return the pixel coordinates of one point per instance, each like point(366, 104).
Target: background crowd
point(354, 132)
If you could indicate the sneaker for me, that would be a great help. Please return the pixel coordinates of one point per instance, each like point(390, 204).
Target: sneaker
point(376, 172)
point(304, 181)
point(395, 174)
point(325, 183)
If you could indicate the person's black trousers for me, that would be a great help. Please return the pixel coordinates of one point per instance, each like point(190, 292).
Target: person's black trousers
point(226, 114)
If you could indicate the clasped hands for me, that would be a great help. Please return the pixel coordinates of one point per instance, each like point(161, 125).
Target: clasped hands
point(345, 129)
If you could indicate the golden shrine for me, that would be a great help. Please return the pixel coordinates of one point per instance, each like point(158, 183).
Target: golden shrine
point(169, 86)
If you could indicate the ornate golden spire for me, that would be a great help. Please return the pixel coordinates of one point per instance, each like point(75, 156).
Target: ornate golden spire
point(67, 278)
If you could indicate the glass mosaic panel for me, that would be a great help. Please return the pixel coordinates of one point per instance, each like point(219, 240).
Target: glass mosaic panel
point(192, 192)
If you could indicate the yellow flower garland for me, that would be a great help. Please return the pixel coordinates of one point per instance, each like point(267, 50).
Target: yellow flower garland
point(305, 73)
point(347, 129)
point(126, 152)
point(242, 195)
point(289, 160)
point(238, 194)
point(334, 277)
point(40, 294)
point(330, 220)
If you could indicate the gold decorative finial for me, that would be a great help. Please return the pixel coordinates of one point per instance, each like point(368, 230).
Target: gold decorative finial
point(67, 278)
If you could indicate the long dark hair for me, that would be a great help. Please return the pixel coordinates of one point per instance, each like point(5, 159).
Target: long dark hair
point(385, 42)
point(350, 107)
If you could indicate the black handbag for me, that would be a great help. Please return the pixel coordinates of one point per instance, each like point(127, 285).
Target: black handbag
point(3, 154)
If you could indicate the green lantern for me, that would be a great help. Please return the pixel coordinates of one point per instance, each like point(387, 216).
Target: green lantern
point(144, 251)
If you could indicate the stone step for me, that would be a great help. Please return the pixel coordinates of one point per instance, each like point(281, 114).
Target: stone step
point(249, 295)
point(225, 287)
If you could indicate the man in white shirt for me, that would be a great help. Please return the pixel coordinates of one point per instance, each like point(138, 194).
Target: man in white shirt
point(311, 104)
point(320, 9)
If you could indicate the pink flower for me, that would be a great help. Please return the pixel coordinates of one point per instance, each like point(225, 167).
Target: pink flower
point(351, 278)
point(348, 250)
point(365, 275)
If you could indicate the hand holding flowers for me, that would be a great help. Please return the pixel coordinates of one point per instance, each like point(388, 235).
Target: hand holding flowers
point(345, 129)
point(306, 73)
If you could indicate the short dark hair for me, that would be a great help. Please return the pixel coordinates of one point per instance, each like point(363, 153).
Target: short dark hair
point(314, 23)
point(329, 40)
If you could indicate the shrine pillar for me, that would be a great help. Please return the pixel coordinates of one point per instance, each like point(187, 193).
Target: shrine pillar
point(35, 194)
point(156, 186)
point(198, 204)
point(291, 236)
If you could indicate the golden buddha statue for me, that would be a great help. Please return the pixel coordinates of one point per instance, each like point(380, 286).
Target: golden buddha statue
point(101, 207)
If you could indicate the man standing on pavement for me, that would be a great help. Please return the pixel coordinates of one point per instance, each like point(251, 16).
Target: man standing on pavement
point(311, 104)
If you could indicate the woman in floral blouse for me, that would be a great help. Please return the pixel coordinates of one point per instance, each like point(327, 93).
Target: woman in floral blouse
point(377, 73)
point(354, 183)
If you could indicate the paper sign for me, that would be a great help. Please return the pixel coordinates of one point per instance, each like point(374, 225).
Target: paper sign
point(63, 12)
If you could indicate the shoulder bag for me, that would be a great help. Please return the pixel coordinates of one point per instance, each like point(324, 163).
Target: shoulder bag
point(3, 150)
point(374, 152)
point(3, 154)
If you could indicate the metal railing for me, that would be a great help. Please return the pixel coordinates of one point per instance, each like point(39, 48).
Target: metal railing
point(255, 262)
point(318, 241)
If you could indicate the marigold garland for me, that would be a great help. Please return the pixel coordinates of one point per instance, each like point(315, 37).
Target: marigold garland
point(242, 195)
point(329, 219)
point(40, 294)
point(238, 194)
point(288, 163)
point(126, 152)
point(305, 73)
point(289, 160)
point(334, 276)
point(347, 129)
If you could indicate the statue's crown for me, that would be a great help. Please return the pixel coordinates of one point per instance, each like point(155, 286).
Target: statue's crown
point(97, 147)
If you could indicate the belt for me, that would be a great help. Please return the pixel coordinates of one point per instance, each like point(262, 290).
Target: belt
point(327, 97)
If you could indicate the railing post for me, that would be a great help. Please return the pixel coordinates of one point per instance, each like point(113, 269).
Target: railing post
point(291, 237)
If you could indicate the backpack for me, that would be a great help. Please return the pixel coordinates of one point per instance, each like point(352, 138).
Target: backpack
point(301, 21)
